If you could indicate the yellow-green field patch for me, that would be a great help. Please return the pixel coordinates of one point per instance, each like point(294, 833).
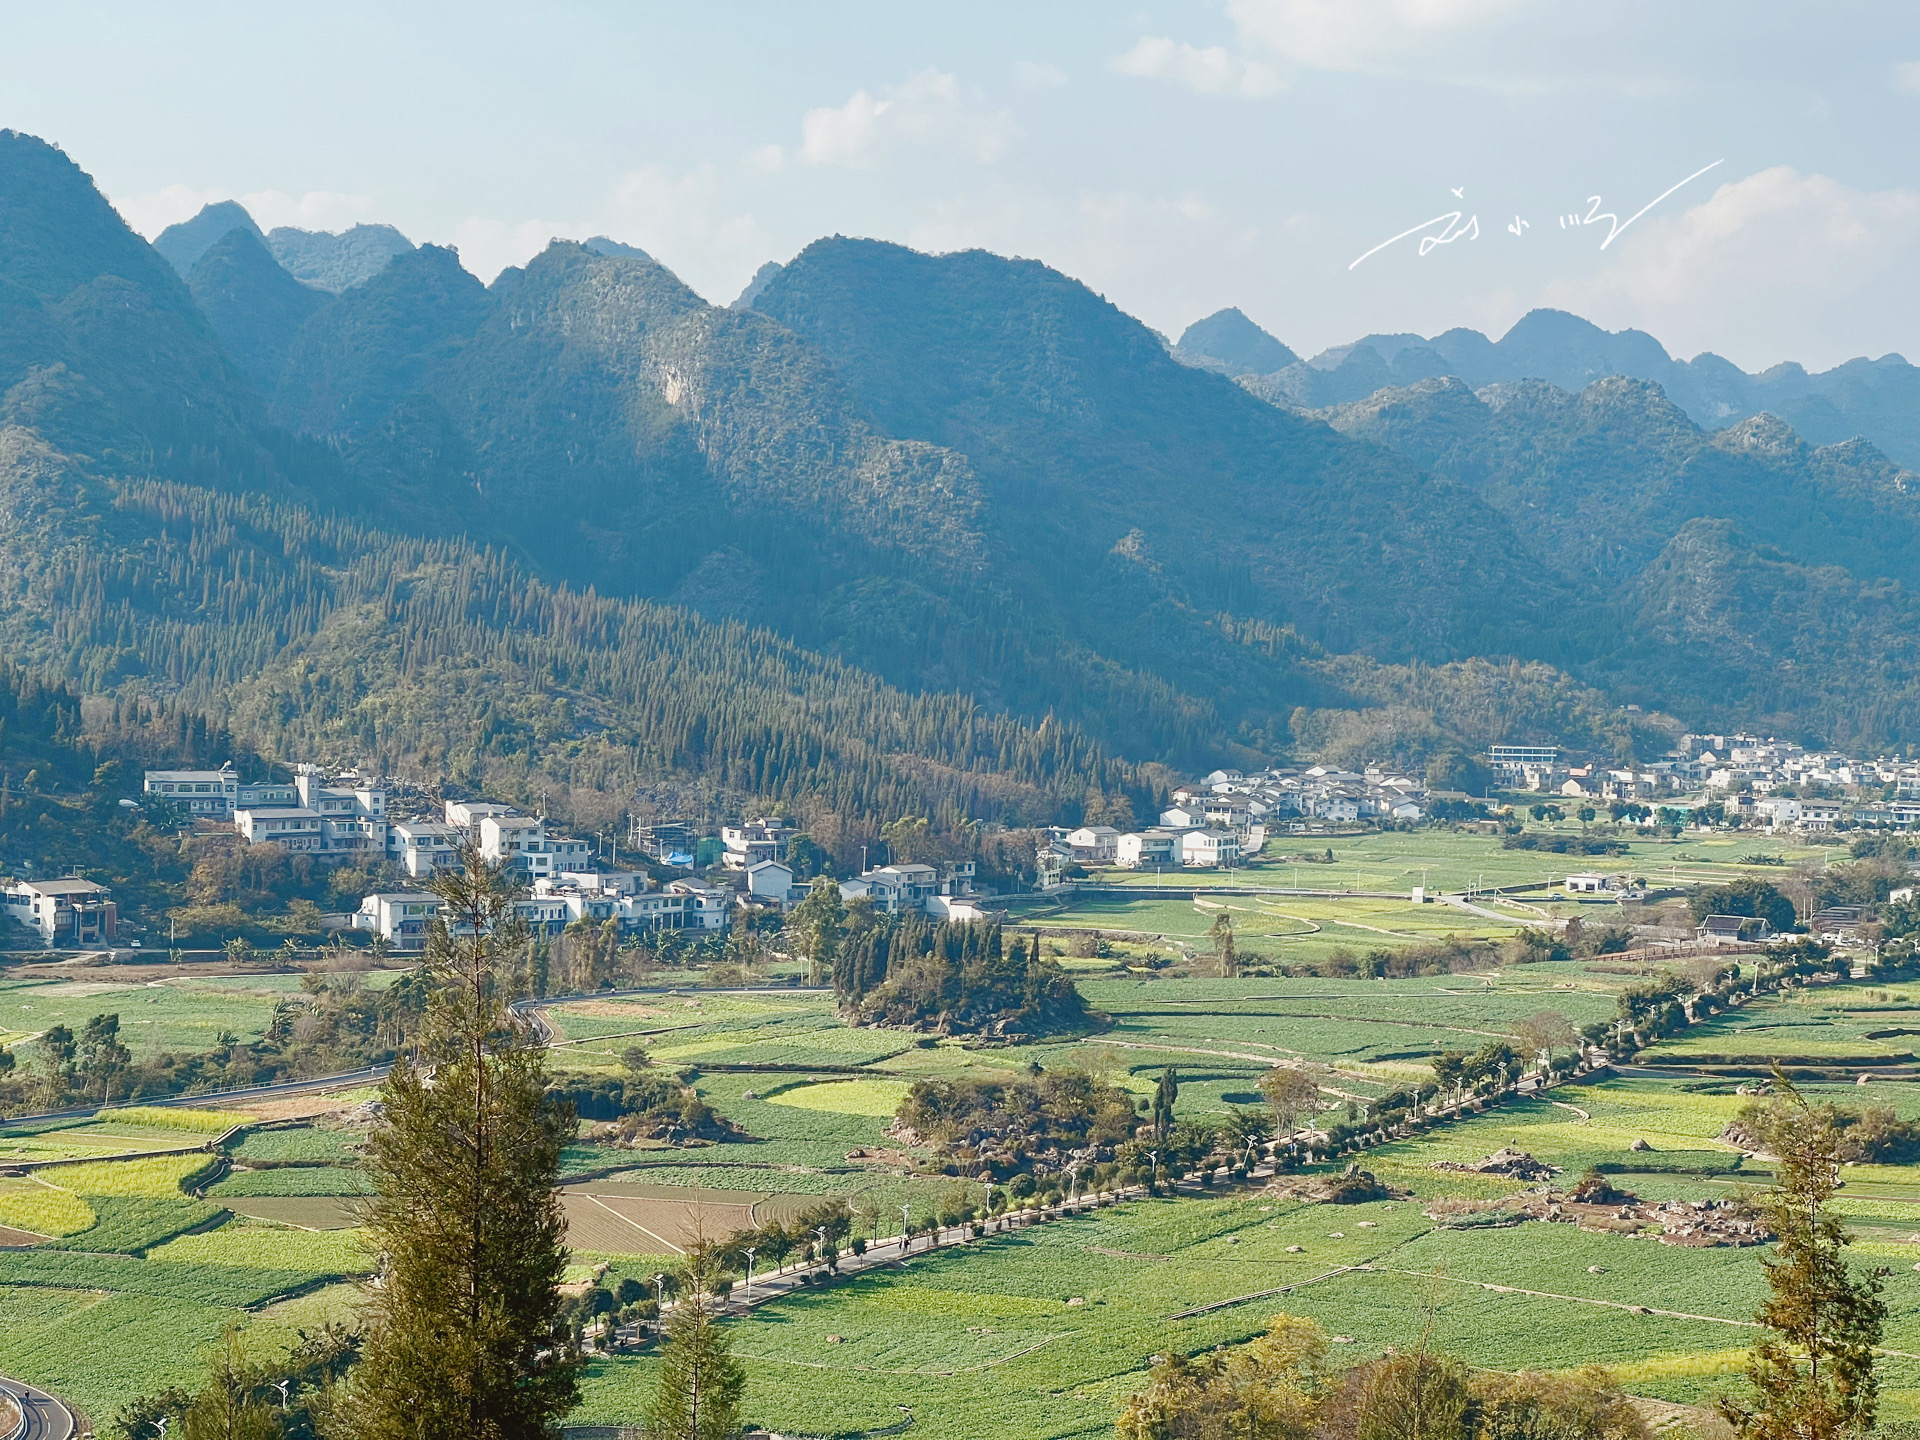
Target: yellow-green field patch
point(29, 1205)
point(156, 1176)
point(846, 1097)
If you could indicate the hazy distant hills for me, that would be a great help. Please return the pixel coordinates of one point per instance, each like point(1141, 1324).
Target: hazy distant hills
point(1876, 399)
point(965, 486)
point(331, 262)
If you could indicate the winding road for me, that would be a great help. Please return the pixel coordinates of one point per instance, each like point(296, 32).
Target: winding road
point(46, 1417)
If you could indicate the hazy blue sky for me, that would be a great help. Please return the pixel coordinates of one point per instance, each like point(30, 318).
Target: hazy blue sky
point(1175, 157)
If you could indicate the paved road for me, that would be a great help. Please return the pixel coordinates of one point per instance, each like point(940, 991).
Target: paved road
point(47, 1418)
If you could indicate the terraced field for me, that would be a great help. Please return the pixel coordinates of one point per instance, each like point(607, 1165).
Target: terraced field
point(1823, 1023)
point(137, 1279)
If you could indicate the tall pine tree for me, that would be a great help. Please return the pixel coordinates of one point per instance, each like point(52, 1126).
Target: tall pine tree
point(1813, 1372)
point(463, 1337)
point(700, 1381)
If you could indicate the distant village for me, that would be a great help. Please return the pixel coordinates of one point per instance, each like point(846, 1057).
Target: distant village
point(1219, 822)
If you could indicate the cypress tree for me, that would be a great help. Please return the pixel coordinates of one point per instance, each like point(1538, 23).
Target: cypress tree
point(463, 1333)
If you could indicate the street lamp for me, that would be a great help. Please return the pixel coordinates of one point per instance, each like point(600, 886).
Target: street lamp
point(749, 1277)
point(821, 1252)
point(904, 1211)
point(660, 1296)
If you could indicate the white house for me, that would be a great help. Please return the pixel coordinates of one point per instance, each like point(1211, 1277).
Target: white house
point(1183, 817)
point(65, 912)
point(894, 888)
point(1202, 848)
point(422, 847)
point(772, 880)
point(752, 841)
point(1148, 850)
point(403, 919)
point(466, 815)
point(1588, 884)
point(522, 842)
point(1093, 844)
point(298, 829)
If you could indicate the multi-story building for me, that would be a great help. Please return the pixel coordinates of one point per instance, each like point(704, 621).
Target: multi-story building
point(1149, 850)
point(422, 848)
point(65, 912)
point(404, 919)
point(523, 843)
point(894, 888)
point(1203, 848)
point(203, 794)
point(753, 841)
point(466, 815)
point(297, 828)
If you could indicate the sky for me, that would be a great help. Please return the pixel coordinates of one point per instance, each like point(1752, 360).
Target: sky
point(1177, 158)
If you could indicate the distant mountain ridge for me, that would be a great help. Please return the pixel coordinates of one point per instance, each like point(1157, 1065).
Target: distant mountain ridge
point(1876, 399)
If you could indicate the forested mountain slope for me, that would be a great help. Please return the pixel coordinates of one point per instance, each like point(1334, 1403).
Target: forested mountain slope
point(1743, 570)
point(159, 535)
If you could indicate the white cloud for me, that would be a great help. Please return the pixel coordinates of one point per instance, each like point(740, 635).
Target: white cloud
point(487, 246)
point(929, 109)
point(1212, 71)
point(1359, 35)
point(315, 210)
point(1038, 75)
point(1759, 271)
point(1906, 76)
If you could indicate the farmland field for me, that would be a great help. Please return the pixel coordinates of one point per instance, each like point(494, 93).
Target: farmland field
point(987, 1339)
point(1454, 860)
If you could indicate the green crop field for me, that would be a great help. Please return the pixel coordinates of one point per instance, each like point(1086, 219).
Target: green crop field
point(1827, 1022)
point(174, 1014)
point(146, 1278)
point(847, 1097)
point(1041, 1332)
point(1453, 860)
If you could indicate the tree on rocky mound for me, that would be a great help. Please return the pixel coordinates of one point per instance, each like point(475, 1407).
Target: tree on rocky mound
point(954, 977)
point(1004, 1125)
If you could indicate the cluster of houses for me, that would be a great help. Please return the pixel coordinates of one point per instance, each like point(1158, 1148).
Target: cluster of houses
point(347, 818)
point(1218, 822)
point(1768, 783)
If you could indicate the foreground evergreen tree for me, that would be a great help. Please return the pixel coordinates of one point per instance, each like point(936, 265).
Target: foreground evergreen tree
point(230, 1406)
point(1813, 1374)
point(463, 1339)
point(700, 1381)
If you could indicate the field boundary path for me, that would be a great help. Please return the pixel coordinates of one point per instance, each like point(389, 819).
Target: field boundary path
point(42, 1416)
